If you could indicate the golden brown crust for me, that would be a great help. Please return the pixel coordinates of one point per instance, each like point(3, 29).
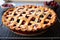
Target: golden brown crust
point(29, 18)
point(5, 14)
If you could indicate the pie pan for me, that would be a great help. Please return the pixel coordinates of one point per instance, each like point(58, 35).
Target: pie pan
point(30, 33)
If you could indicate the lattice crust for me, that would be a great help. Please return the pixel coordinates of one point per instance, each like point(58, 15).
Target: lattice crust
point(29, 18)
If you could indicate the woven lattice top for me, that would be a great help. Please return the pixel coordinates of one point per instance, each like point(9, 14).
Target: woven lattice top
point(28, 18)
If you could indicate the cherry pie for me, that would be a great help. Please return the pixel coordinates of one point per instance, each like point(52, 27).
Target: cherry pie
point(29, 18)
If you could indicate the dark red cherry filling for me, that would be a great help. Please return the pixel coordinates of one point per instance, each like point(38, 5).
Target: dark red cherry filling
point(23, 22)
point(12, 19)
point(35, 7)
point(18, 26)
point(15, 14)
point(7, 13)
point(32, 19)
point(18, 20)
point(14, 25)
point(23, 12)
point(26, 16)
point(39, 20)
point(41, 16)
point(20, 14)
point(32, 11)
point(46, 22)
point(29, 23)
point(49, 16)
point(6, 17)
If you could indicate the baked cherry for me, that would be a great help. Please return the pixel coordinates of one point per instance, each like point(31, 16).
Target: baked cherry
point(35, 7)
point(15, 14)
point(23, 22)
point(12, 19)
point(26, 16)
point(32, 11)
point(45, 22)
point(32, 19)
point(39, 20)
point(49, 16)
point(6, 17)
point(29, 23)
point(14, 25)
point(18, 20)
